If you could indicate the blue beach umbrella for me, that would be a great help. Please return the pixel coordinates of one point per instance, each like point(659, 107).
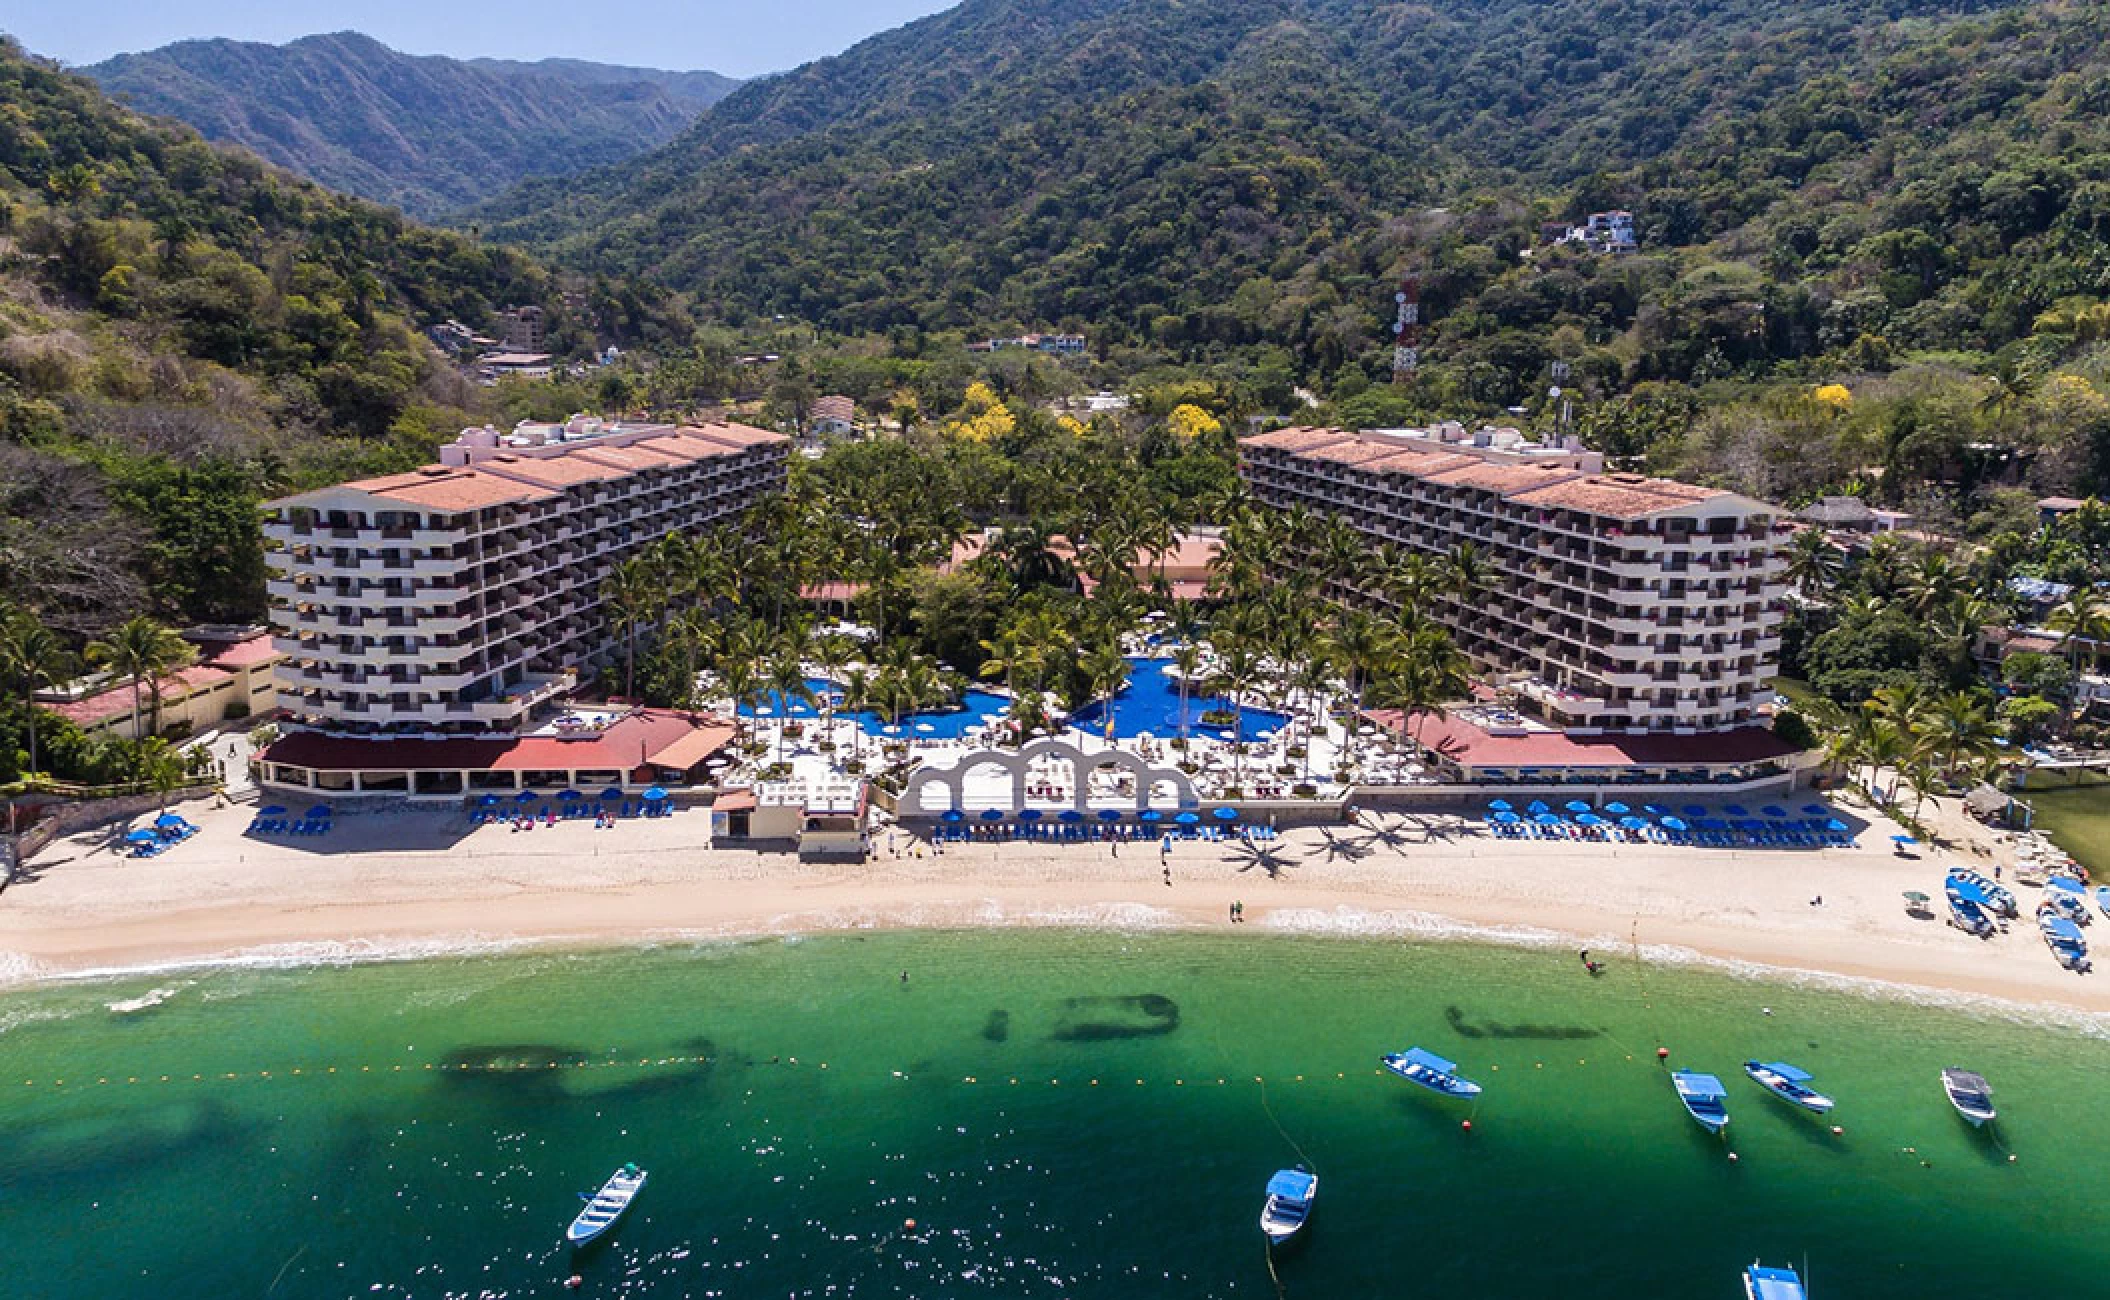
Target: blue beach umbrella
point(141, 836)
point(1773, 810)
point(1069, 815)
point(1902, 838)
point(952, 815)
point(1655, 810)
point(569, 796)
point(1577, 806)
point(168, 819)
point(1736, 810)
point(1673, 824)
point(272, 810)
point(1538, 806)
point(1187, 818)
point(1694, 810)
point(612, 793)
point(487, 801)
point(1225, 814)
point(1150, 815)
point(1815, 809)
point(1507, 818)
point(1835, 825)
point(1109, 814)
point(1615, 807)
point(1634, 823)
point(1548, 819)
point(1499, 805)
point(1029, 815)
point(1588, 819)
point(1748, 824)
point(655, 794)
point(992, 814)
point(526, 796)
point(321, 810)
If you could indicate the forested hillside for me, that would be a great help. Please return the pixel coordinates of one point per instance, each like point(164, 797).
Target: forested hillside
point(185, 330)
point(426, 134)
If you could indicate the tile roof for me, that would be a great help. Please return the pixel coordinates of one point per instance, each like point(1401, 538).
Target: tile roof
point(1506, 479)
point(245, 653)
point(733, 435)
point(633, 457)
point(1352, 451)
point(117, 700)
point(1469, 746)
point(1293, 440)
point(437, 487)
point(632, 741)
point(834, 407)
point(1417, 462)
point(569, 470)
point(1599, 494)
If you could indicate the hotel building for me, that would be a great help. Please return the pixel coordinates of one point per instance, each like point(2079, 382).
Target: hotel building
point(1616, 603)
point(454, 600)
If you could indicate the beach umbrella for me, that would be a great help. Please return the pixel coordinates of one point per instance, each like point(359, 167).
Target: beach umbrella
point(925, 727)
point(526, 796)
point(951, 815)
point(1548, 819)
point(891, 729)
point(1712, 824)
point(1069, 815)
point(1914, 896)
point(1499, 805)
point(1225, 814)
point(569, 796)
point(1506, 818)
point(141, 837)
point(487, 801)
point(656, 793)
point(1736, 810)
point(1772, 810)
point(1109, 814)
point(1655, 810)
point(1694, 810)
point(1902, 838)
point(1187, 818)
point(1588, 819)
point(992, 814)
point(1150, 815)
point(1577, 806)
point(1537, 806)
point(271, 810)
point(1029, 815)
point(1835, 825)
point(1748, 824)
point(613, 792)
point(168, 819)
point(1673, 824)
point(1634, 823)
point(1615, 807)
point(320, 810)
point(1816, 809)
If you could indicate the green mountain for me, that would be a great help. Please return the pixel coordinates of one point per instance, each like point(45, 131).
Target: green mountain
point(1826, 183)
point(185, 330)
point(426, 134)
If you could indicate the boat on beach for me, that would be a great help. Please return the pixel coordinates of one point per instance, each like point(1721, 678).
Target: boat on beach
point(1970, 1094)
point(1968, 916)
point(1762, 1283)
point(1703, 1095)
point(1418, 1065)
point(2066, 942)
point(2069, 897)
point(1787, 1083)
point(606, 1206)
point(1992, 896)
point(2102, 899)
point(1290, 1194)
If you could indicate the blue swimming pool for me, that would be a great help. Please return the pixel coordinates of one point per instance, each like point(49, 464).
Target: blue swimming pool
point(1151, 702)
point(976, 708)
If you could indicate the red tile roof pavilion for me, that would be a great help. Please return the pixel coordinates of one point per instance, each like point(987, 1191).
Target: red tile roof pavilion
point(1473, 749)
point(636, 743)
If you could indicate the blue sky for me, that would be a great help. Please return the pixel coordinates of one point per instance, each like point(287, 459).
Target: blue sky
point(737, 37)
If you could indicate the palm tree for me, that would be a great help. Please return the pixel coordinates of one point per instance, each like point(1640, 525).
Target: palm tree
point(1958, 729)
point(1812, 563)
point(857, 697)
point(1106, 672)
point(786, 680)
point(2082, 616)
point(1933, 582)
point(1360, 646)
point(1469, 571)
point(1187, 658)
point(143, 651)
point(634, 594)
point(1430, 669)
point(1237, 666)
point(31, 658)
point(158, 765)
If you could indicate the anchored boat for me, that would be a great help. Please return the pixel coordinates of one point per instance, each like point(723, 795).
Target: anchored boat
point(1703, 1095)
point(1290, 1194)
point(1418, 1065)
point(1787, 1083)
point(604, 1207)
point(1762, 1283)
point(1970, 1094)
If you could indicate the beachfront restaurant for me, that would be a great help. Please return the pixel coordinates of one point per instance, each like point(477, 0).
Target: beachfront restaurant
point(630, 749)
point(1467, 746)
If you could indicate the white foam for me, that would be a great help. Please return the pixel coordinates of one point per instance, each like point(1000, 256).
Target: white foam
point(151, 998)
point(297, 956)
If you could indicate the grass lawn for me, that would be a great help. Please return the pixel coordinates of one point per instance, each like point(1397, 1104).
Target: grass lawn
point(2077, 817)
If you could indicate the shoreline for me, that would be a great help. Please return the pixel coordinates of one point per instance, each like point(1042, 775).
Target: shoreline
point(404, 887)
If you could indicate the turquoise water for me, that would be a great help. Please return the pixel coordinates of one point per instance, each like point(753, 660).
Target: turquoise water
point(1150, 701)
point(1078, 1114)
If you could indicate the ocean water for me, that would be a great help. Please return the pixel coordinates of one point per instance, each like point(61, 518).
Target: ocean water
point(1060, 1114)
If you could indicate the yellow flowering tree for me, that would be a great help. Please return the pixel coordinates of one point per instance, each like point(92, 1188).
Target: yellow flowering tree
point(1190, 421)
point(1837, 396)
point(983, 416)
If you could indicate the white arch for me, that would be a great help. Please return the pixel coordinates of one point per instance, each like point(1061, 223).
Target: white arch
point(1018, 765)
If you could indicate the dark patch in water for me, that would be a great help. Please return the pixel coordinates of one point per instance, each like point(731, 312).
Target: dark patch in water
point(1496, 1029)
point(997, 1028)
point(1102, 1019)
point(509, 1058)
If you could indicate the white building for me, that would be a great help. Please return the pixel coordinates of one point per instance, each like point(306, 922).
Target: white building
point(1618, 603)
point(456, 598)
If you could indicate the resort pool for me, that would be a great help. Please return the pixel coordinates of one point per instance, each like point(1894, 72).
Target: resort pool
point(1151, 702)
point(976, 709)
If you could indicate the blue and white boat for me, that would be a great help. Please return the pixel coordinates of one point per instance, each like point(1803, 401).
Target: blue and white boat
point(1787, 1083)
point(1419, 1065)
point(1970, 1094)
point(1290, 1194)
point(1968, 916)
point(606, 1206)
point(2067, 896)
point(1762, 1283)
point(1990, 895)
point(1703, 1095)
point(2102, 898)
point(2066, 942)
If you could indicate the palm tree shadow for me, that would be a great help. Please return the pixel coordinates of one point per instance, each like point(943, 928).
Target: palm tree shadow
point(1247, 856)
point(1342, 849)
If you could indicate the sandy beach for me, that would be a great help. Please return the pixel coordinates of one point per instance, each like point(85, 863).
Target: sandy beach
point(403, 883)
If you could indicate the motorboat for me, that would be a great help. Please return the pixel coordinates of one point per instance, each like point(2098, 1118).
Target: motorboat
point(1991, 895)
point(2102, 898)
point(1969, 916)
point(1418, 1065)
point(1290, 1194)
point(2067, 944)
point(1970, 1094)
point(1703, 1095)
point(1763, 1283)
point(2069, 896)
point(1787, 1083)
point(606, 1206)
